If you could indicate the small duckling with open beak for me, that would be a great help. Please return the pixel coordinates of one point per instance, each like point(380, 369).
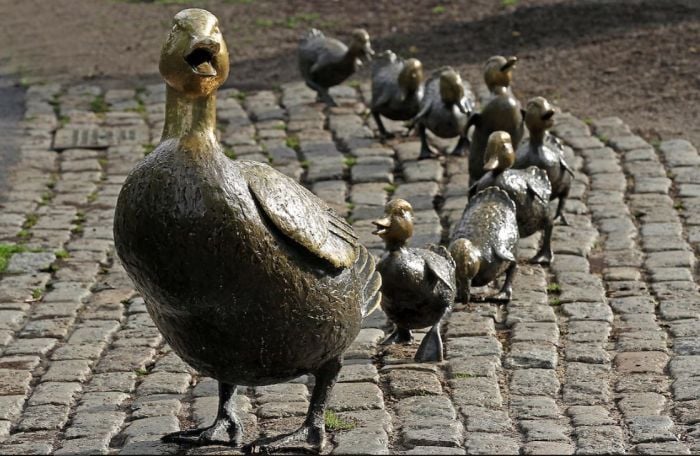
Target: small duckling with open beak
point(485, 243)
point(545, 151)
point(445, 110)
point(326, 62)
point(397, 89)
point(498, 73)
point(418, 285)
point(528, 188)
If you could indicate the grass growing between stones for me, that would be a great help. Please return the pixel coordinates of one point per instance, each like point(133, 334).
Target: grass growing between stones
point(6, 252)
point(335, 423)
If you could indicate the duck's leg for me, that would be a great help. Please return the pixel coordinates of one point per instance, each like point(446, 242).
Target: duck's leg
point(430, 349)
point(545, 255)
point(226, 430)
point(425, 151)
point(506, 292)
point(311, 436)
point(399, 336)
point(322, 94)
point(560, 210)
point(460, 147)
point(383, 134)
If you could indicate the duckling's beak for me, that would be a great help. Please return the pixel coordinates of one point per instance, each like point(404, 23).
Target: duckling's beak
point(510, 63)
point(548, 115)
point(382, 226)
point(368, 52)
point(491, 164)
point(201, 56)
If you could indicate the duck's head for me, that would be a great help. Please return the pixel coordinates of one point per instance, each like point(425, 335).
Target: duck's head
point(397, 224)
point(539, 114)
point(360, 45)
point(499, 154)
point(498, 71)
point(411, 75)
point(194, 59)
point(451, 88)
point(467, 258)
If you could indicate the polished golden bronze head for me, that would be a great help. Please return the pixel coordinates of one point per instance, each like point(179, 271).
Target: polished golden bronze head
point(411, 75)
point(499, 152)
point(397, 224)
point(451, 88)
point(539, 114)
point(498, 71)
point(360, 45)
point(194, 59)
point(467, 259)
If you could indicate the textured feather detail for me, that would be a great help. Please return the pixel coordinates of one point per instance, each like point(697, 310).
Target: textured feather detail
point(313, 33)
point(367, 274)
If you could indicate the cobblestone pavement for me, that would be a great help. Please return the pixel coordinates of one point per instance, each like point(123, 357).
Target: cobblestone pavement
point(599, 353)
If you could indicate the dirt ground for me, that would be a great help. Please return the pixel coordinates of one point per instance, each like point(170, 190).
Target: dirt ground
point(636, 59)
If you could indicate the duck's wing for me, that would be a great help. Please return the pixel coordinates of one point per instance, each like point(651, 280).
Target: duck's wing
point(301, 216)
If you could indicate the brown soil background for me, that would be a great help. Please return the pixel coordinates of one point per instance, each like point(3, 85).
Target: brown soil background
point(636, 59)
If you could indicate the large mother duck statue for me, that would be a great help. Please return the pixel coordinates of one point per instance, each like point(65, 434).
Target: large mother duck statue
point(251, 278)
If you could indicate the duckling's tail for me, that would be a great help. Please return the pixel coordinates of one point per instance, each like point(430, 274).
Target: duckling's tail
point(371, 280)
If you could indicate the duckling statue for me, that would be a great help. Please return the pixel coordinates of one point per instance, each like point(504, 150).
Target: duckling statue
point(445, 110)
point(545, 151)
point(251, 278)
point(485, 243)
point(528, 188)
point(397, 89)
point(502, 112)
point(325, 62)
point(418, 285)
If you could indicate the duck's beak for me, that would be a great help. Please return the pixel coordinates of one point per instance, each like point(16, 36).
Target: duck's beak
point(510, 63)
point(382, 225)
point(491, 164)
point(201, 56)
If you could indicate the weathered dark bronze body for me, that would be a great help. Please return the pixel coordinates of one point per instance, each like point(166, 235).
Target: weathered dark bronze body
point(484, 243)
point(397, 89)
point(445, 110)
point(529, 189)
point(251, 278)
point(418, 285)
point(545, 151)
point(502, 112)
point(325, 62)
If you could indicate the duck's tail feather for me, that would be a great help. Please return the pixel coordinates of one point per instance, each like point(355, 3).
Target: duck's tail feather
point(371, 280)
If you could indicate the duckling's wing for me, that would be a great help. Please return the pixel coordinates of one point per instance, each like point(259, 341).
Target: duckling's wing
point(503, 253)
point(538, 183)
point(301, 215)
point(329, 52)
point(439, 261)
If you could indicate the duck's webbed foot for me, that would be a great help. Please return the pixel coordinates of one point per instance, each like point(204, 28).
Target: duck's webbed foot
point(399, 336)
point(226, 430)
point(311, 436)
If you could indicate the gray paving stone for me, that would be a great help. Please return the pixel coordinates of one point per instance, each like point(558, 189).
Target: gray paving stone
point(84, 446)
point(532, 355)
point(662, 448)
point(599, 440)
point(43, 417)
point(545, 430)
point(356, 396)
point(650, 429)
point(529, 407)
point(145, 428)
point(589, 415)
point(487, 443)
point(362, 441)
point(534, 382)
point(403, 383)
point(432, 432)
point(55, 393)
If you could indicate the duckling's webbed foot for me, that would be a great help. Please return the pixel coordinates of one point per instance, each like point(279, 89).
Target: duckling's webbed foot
point(226, 430)
point(430, 349)
point(425, 151)
point(311, 436)
point(399, 336)
point(506, 292)
point(383, 133)
point(460, 147)
point(560, 212)
point(545, 255)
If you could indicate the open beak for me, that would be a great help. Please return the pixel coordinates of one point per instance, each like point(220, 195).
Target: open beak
point(491, 164)
point(510, 63)
point(382, 226)
point(548, 115)
point(201, 57)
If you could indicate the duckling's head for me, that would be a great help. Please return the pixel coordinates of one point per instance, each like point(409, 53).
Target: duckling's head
point(397, 224)
point(411, 75)
point(539, 114)
point(498, 71)
point(194, 59)
point(451, 88)
point(467, 258)
point(499, 154)
point(360, 46)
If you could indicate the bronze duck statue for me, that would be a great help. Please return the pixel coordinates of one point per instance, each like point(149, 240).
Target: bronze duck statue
point(484, 243)
point(445, 110)
point(325, 62)
point(418, 285)
point(545, 151)
point(397, 89)
point(251, 278)
point(528, 188)
point(502, 112)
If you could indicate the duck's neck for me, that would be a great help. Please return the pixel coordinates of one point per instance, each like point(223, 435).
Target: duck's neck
point(537, 136)
point(193, 119)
